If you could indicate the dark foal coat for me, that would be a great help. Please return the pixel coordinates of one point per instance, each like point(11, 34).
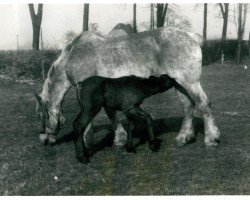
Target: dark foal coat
point(124, 94)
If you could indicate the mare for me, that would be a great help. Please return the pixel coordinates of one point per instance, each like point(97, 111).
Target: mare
point(167, 51)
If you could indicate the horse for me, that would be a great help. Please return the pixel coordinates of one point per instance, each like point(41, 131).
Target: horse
point(173, 52)
point(124, 94)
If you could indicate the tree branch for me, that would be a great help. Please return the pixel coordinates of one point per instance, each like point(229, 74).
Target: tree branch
point(165, 11)
point(222, 9)
point(32, 12)
point(40, 13)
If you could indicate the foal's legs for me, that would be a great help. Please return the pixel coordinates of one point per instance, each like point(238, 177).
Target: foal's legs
point(81, 151)
point(80, 124)
point(137, 113)
point(187, 129)
point(120, 134)
point(196, 92)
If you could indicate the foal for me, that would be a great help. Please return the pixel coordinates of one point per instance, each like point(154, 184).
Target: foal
point(124, 94)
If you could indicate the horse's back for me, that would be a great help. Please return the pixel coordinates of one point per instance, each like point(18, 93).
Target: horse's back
point(160, 51)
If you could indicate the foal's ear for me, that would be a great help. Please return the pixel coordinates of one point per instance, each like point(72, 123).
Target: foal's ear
point(38, 98)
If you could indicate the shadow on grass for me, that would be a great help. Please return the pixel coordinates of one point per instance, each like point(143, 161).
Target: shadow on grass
point(105, 136)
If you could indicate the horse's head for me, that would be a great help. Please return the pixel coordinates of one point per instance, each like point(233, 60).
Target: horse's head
point(50, 121)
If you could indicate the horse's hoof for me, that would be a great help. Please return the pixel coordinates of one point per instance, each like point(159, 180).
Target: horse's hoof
point(120, 139)
point(52, 140)
point(155, 145)
point(212, 142)
point(44, 138)
point(182, 140)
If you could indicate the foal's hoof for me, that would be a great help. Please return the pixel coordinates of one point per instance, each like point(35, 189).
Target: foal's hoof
point(83, 159)
point(130, 148)
point(155, 145)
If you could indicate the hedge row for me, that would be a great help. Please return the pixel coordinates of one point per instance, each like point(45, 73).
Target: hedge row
point(211, 50)
point(28, 63)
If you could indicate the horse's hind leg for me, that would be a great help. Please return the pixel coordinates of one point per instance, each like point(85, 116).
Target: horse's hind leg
point(186, 133)
point(120, 134)
point(196, 92)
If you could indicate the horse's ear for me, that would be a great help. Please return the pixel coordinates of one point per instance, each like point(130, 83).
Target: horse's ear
point(38, 98)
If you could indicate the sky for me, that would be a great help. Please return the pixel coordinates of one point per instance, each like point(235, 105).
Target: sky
point(60, 18)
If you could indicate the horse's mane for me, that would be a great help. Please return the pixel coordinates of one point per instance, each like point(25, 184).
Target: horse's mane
point(86, 36)
point(73, 42)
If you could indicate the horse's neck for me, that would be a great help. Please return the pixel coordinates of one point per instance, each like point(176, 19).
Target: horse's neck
point(54, 92)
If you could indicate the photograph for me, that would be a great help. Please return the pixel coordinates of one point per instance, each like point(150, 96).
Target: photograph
point(124, 98)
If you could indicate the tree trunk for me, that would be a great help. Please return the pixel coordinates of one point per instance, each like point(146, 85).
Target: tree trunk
point(134, 18)
point(161, 14)
point(152, 20)
point(224, 13)
point(86, 17)
point(205, 22)
point(36, 24)
point(249, 43)
point(239, 33)
point(225, 22)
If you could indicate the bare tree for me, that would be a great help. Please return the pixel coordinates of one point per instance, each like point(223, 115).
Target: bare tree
point(224, 11)
point(161, 13)
point(152, 16)
point(36, 20)
point(205, 22)
point(86, 17)
point(242, 14)
point(134, 18)
point(177, 21)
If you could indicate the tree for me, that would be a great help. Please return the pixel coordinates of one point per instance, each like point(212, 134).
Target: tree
point(36, 20)
point(224, 11)
point(175, 20)
point(134, 18)
point(161, 14)
point(205, 22)
point(172, 19)
point(242, 14)
point(86, 17)
point(152, 16)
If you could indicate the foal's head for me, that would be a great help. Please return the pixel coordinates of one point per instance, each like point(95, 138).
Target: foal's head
point(161, 83)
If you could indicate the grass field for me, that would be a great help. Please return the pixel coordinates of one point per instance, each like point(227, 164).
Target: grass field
point(29, 168)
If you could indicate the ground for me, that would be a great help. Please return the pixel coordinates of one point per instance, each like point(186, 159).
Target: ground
point(29, 168)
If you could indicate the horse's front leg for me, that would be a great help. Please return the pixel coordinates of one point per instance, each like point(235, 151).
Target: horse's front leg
point(120, 138)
